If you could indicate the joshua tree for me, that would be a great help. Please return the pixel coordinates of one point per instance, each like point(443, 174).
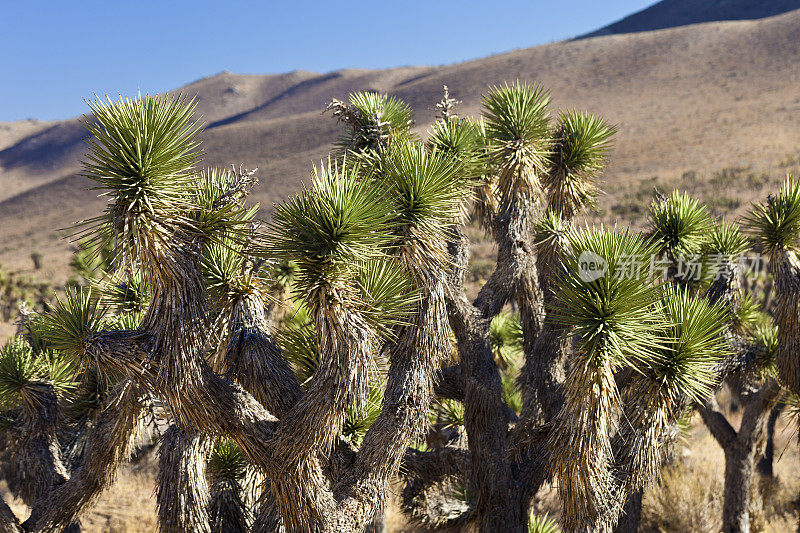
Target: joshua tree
point(306, 363)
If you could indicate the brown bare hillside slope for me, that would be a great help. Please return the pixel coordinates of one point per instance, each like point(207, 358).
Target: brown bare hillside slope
point(673, 13)
point(694, 98)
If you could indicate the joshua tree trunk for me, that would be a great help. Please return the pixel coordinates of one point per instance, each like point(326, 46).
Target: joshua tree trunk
point(8, 521)
point(631, 514)
point(765, 463)
point(110, 442)
point(486, 416)
point(741, 449)
point(182, 492)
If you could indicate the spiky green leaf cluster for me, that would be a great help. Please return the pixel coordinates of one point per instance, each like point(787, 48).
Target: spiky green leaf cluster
point(330, 230)
point(512, 394)
point(71, 321)
point(765, 338)
point(282, 273)
point(142, 152)
point(21, 368)
point(386, 294)
point(609, 306)
point(551, 235)
point(518, 136)
point(581, 145)
point(425, 191)
point(337, 234)
point(298, 343)
point(225, 272)
point(542, 524)
point(680, 224)
point(505, 336)
point(124, 294)
point(694, 345)
point(218, 204)
point(450, 413)
point(372, 119)
point(726, 239)
point(775, 223)
point(747, 316)
point(358, 421)
point(226, 461)
point(463, 141)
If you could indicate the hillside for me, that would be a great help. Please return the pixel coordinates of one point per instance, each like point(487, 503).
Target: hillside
point(673, 13)
point(696, 98)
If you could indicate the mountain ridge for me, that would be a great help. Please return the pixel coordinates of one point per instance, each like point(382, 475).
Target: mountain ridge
point(674, 13)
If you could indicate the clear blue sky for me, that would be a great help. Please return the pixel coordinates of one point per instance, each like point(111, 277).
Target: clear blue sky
point(55, 53)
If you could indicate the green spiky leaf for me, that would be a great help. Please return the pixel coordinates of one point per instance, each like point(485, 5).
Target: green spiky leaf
point(142, 153)
point(298, 343)
point(330, 230)
point(387, 294)
point(694, 346)
point(680, 224)
point(358, 421)
point(425, 191)
point(226, 461)
point(218, 199)
point(518, 136)
point(542, 524)
point(775, 223)
point(372, 120)
point(506, 336)
point(71, 321)
point(580, 149)
point(450, 413)
point(727, 239)
point(606, 299)
point(21, 368)
point(463, 141)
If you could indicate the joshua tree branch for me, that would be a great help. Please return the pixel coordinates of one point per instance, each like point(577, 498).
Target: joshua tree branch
point(111, 442)
point(8, 521)
point(486, 415)
point(423, 498)
point(450, 383)
point(182, 492)
point(716, 422)
point(255, 362)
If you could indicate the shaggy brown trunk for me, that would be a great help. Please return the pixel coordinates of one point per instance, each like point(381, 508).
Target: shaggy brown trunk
point(8, 521)
point(741, 449)
point(227, 511)
point(486, 416)
point(181, 490)
point(254, 361)
point(414, 357)
point(765, 463)
point(111, 441)
point(631, 514)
